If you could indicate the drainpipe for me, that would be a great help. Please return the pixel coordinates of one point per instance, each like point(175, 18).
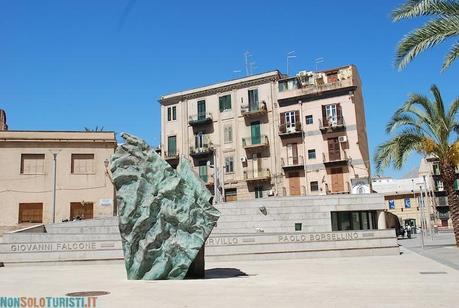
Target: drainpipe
point(274, 141)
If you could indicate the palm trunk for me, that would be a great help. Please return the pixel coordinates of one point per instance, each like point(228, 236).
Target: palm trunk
point(448, 175)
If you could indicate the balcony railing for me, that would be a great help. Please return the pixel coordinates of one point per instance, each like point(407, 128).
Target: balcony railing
point(200, 119)
point(257, 175)
point(171, 155)
point(333, 123)
point(255, 142)
point(292, 162)
point(288, 129)
point(335, 159)
point(201, 151)
point(443, 216)
point(251, 111)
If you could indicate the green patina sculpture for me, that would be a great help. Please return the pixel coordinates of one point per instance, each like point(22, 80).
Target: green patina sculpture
point(165, 215)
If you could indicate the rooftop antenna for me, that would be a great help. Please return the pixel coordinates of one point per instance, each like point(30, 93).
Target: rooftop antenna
point(318, 61)
point(246, 58)
point(290, 55)
point(251, 67)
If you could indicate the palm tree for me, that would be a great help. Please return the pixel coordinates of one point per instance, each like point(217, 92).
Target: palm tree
point(444, 24)
point(424, 126)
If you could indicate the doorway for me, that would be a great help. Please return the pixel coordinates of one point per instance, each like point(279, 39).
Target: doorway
point(255, 132)
point(333, 149)
point(294, 184)
point(337, 179)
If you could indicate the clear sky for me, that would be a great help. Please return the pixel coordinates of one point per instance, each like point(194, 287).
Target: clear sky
point(66, 65)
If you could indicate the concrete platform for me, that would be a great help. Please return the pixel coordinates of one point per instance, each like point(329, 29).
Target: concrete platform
point(377, 281)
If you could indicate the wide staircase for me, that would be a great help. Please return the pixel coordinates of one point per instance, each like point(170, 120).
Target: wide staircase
point(274, 228)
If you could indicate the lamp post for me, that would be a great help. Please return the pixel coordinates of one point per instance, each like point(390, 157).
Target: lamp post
point(422, 215)
point(54, 186)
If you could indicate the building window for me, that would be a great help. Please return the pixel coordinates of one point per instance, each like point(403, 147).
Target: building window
point(309, 119)
point(224, 102)
point(253, 100)
point(353, 220)
point(172, 113)
point(30, 212)
point(228, 134)
point(312, 154)
point(32, 163)
point(229, 164)
point(314, 186)
point(439, 185)
point(258, 192)
point(171, 146)
point(298, 226)
point(82, 163)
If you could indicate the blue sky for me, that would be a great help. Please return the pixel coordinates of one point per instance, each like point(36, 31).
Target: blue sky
point(66, 65)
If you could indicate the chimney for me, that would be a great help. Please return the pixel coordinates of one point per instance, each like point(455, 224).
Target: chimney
point(3, 125)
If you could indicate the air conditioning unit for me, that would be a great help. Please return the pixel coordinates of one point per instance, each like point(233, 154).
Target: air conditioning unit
point(342, 139)
point(243, 159)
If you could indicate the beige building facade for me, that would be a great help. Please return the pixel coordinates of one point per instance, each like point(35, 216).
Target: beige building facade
point(83, 186)
point(273, 135)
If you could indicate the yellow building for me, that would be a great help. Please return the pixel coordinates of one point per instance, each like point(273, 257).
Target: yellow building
point(273, 135)
point(83, 188)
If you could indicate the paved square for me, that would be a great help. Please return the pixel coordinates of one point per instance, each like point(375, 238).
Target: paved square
point(389, 281)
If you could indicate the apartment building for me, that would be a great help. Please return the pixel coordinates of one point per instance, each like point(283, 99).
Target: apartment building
point(82, 184)
point(430, 169)
point(273, 135)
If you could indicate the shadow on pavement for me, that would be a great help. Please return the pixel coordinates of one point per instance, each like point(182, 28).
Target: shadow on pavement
point(216, 273)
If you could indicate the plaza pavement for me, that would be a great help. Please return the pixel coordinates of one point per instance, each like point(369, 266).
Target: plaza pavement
point(407, 280)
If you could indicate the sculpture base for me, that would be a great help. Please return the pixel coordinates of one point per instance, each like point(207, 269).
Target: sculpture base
point(196, 269)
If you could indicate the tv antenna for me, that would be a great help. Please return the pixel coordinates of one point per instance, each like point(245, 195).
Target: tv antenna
point(290, 55)
point(248, 64)
point(318, 61)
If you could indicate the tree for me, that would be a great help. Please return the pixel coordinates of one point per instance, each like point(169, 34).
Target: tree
point(443, 25)
point(424, 126)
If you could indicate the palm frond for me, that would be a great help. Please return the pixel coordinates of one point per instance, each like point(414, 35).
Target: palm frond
point(452, 111)
point(396, 150)
point(431, 34)
point(451, 56)
point(415, 8)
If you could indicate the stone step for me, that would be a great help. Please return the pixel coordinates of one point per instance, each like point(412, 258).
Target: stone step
point(104, 229)
point(80, 247)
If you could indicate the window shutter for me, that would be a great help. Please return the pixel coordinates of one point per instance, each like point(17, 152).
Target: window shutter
point(220, 103)
point(282, 118)
point(297, 116)
point(169, 113)
point(338, 111)
point(324, 113)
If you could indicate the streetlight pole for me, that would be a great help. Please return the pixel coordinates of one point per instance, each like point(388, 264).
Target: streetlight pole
point(422, 216)
point(54, 186)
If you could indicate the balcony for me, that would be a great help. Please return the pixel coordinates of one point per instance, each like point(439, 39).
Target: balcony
point(443, 216)
point(315, 85)
point(331, 124)
point(256, 142)
point(204, 150)
point(335, 159)
point(200, 119)
point(172, 158)
point(292, 163)
point(250, 112)
point(289, 130)
point(260, 175)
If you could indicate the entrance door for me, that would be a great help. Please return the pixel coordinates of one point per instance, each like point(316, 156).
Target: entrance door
point(256, 164)
point(30, 212)
point(203, 171)
point(255, 130)
point(337, 180)
point(290, 121)
point(84, 211)
point(201, 110)
point(294, 184)
point(333, 149)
